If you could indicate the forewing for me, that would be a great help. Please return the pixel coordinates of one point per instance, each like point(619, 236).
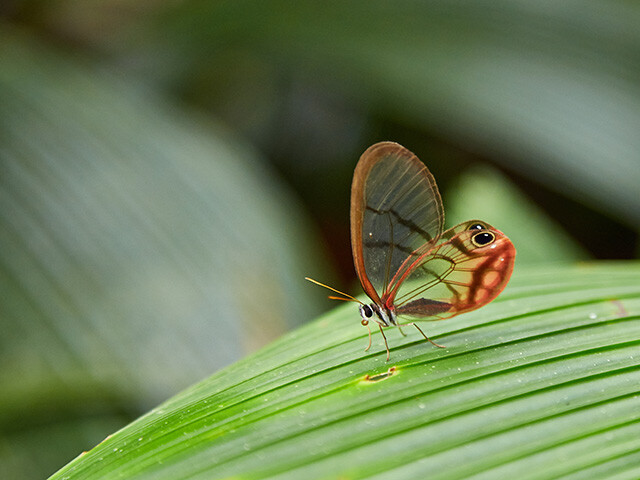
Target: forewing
point(458, 275)
point(395, 209)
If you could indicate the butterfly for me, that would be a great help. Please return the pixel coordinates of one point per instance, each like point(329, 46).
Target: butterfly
point(407, 265)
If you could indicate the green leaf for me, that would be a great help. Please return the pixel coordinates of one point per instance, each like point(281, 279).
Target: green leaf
point(541, 383)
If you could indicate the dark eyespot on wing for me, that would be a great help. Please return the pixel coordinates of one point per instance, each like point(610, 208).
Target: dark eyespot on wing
point(423, 307)
point(482, 239)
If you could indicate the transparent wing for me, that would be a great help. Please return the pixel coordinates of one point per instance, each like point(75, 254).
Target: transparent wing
point(466, 271)
point(396, 211)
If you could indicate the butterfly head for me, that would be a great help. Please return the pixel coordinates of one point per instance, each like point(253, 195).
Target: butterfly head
point(377, 313)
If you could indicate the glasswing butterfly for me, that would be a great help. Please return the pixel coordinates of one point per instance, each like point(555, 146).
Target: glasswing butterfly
point(407, 265)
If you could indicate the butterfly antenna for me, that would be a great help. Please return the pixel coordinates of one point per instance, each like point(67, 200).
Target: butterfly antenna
point(348, 298)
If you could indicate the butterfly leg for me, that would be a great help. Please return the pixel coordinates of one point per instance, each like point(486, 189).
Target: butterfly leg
point(427, 338)
point(385, 341)
point(401, 332)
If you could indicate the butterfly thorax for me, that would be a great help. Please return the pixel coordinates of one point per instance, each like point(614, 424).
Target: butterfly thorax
point(381, 314)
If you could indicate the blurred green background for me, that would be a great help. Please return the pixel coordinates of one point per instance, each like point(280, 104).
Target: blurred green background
point(170, 171)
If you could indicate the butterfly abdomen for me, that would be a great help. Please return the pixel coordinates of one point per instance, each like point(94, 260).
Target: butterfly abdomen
point(423, 307)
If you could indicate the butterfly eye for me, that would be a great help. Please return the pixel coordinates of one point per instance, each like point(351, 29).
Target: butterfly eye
point(366, 309)
point(477, 226)
point(483, 239)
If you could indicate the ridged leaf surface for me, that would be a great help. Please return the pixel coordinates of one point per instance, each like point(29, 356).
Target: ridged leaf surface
point(542, 383)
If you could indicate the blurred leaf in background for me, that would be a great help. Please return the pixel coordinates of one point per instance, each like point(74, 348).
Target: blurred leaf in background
point(550, 91)
point(142, 248)
point(484, 193)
